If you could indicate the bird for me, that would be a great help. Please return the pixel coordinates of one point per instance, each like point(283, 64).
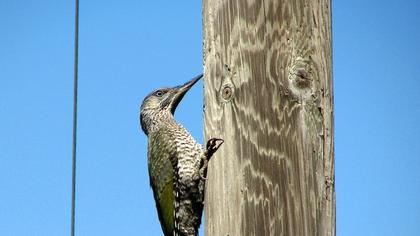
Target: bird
point(177, 163)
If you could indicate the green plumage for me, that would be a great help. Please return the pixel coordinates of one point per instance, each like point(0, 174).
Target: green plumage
point(177, 163)
point(162, 176)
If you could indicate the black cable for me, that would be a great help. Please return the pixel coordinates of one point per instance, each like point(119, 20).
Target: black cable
point(76, 67)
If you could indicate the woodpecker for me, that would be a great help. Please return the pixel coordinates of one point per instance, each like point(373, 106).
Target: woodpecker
point(177, 163)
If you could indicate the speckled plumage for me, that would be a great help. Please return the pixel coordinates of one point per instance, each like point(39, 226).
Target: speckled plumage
point(177, 163)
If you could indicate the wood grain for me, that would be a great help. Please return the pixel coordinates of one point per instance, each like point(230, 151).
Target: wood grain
point(268, 94)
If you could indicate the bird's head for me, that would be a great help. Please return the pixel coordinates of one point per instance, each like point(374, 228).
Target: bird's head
point(161, 104)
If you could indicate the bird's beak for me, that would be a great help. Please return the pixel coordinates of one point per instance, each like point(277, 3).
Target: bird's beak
point(181, 90)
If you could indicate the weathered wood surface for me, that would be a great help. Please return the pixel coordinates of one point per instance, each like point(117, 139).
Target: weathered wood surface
point(268, 94)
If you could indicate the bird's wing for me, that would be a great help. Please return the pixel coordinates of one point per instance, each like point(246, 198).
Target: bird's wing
point(161, 158)
point(165, 206)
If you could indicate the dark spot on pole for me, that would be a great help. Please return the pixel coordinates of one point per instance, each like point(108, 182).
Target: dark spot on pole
point(227, 92)
point(302, 78)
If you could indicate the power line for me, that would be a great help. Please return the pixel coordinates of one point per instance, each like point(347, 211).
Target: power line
point(76, 67)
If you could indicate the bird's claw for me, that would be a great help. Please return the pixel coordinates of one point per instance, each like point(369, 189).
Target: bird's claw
point(212, 145)
point(203, 177)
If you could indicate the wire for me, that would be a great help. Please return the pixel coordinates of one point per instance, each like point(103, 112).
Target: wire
point(76, 67)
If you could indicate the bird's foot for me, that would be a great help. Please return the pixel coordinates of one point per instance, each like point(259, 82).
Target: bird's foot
point(211, 147)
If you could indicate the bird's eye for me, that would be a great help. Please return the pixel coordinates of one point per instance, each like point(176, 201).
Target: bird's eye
point(159, 93)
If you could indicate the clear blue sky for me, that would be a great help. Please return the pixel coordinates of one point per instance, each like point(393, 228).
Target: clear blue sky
point(127, 49)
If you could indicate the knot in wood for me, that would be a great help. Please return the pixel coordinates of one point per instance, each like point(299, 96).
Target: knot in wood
point(301, 78)
point(227, 92)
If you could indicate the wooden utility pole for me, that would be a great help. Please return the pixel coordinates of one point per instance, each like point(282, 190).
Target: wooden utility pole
point(268, 94)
